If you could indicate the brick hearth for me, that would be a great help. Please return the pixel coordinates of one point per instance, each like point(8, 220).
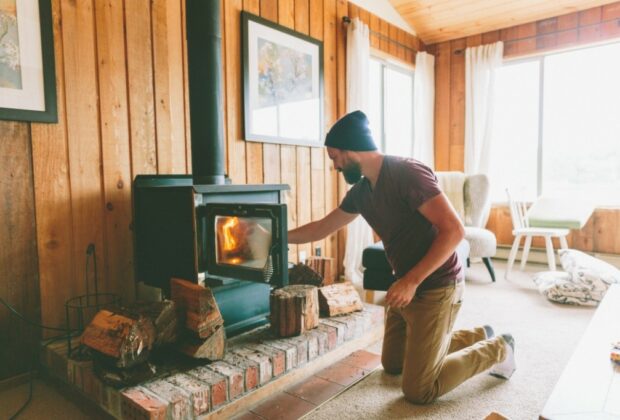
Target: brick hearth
point(256, 366)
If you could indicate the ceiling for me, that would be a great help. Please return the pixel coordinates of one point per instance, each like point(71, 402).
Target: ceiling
point(441, 20)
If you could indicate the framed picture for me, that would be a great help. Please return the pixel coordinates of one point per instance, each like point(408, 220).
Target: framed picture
point(282, 84)
point(27, 76)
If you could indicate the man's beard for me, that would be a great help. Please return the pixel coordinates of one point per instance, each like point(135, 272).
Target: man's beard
point(352, 173)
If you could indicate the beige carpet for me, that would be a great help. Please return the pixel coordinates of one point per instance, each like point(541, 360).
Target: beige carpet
point(545, 335)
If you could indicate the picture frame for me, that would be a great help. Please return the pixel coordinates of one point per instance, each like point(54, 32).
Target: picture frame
point(27, 68)
point(282, 84)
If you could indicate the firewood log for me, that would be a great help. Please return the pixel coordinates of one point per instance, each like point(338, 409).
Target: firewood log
point(304, 274)
point(121, 337)
point(294, 310)
point(197, 307)
point(213, 348)
point(325, 267)
point(338, 299)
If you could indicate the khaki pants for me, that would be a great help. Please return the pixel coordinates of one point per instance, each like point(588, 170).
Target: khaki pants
point(419, 342)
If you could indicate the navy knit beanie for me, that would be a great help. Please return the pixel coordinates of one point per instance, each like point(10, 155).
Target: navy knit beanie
point(351, 132)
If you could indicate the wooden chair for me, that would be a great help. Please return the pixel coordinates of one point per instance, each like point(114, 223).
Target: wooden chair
point(521, 228)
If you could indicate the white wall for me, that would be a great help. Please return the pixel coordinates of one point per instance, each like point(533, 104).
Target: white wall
point(384, 10)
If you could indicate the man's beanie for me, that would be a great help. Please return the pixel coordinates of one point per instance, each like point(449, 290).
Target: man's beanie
point(351, 132)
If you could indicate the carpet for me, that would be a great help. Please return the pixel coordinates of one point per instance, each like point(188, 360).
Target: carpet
point(545, 334)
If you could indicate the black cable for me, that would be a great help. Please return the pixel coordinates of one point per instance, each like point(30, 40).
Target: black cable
point(27, 321)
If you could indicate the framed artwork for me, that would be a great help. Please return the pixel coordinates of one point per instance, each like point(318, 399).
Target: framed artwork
point(282, 84)
point(27, 75)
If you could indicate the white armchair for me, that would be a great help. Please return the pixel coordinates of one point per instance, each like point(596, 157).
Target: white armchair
point(470, 196)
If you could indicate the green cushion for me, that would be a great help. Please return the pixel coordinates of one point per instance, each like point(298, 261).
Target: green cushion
point(550, 212)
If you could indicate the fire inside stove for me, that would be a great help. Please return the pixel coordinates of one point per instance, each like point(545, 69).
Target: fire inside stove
point(243, 241)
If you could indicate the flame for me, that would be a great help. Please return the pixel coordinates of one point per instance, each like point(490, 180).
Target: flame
point(230, 242)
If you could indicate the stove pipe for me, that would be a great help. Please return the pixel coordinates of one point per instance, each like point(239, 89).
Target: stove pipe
point(204, 56)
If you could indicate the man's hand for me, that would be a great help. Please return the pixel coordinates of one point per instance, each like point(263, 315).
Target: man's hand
point(401, 292)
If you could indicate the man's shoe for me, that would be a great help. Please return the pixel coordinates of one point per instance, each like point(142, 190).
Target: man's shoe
point(488, 331)
point(505, 369)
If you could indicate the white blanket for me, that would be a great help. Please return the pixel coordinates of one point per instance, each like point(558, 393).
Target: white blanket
point(584, 281)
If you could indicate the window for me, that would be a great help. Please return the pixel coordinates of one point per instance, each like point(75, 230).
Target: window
point(556, 128)
point(391, 107)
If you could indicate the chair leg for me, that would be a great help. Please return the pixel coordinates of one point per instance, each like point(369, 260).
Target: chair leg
point(526, 251)
point(489, 264)
point(513, 255)
point(550, 256)
point(563, 243)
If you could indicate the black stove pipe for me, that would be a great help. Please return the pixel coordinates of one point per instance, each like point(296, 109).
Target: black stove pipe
point(204, 55)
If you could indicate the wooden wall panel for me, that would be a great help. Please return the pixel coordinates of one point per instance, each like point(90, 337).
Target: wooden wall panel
point(138, 38)
point(52, 199)
point(84, 154)
point(552, 34)
point(19, 283)
point(115, 156)
point(330, 71)
point(233, 94)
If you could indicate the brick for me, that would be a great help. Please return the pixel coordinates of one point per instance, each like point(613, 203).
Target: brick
point(365, 319)
point(111, 400)
point(198, 391)
point(234, 376)
point(332, 335)
point(349, 326)
point(250, 369)
point(340, 328)
point(377, 313)
point(302, 349)
point(264, 364)
point(179, 402)
point(289, 349)
point(92, 384)
point(218, 384)
point(138, 403)
point(313, 346)
point(321, 337)
point(277, 357)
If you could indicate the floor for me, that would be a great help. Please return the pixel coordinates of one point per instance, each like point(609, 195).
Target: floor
point(369, 392)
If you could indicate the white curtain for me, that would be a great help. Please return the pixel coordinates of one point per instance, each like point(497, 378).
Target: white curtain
point(481, 64)
point(359, 234)
point(424, 108)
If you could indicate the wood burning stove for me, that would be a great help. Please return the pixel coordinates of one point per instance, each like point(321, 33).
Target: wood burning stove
point(173, 237)
point(180, 230)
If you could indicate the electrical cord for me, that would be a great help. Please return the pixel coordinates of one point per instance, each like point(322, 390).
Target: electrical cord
point(90, 250)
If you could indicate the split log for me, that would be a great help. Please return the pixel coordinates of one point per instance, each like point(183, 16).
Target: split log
point(121, 337)
point(164, 317)
point(197, 306)
point(213, 348)
point(338, 299)
point(303, 274)
point(294, 310)
point(325, 267)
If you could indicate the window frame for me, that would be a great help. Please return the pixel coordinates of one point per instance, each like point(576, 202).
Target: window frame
point(540, 58)
point(401, 67)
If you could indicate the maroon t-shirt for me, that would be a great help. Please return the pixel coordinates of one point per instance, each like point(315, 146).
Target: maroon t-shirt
point(391, 209)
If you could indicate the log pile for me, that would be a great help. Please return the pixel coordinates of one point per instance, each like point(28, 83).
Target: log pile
point(203, 335)
point(325, 267)
point(339, 299)
point(294, 310)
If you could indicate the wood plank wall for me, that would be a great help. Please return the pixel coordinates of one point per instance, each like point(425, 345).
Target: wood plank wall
point(563, 32)
point(121, 79)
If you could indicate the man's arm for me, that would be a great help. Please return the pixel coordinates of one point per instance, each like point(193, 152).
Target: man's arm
point(450, 232)
point(315, 231)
